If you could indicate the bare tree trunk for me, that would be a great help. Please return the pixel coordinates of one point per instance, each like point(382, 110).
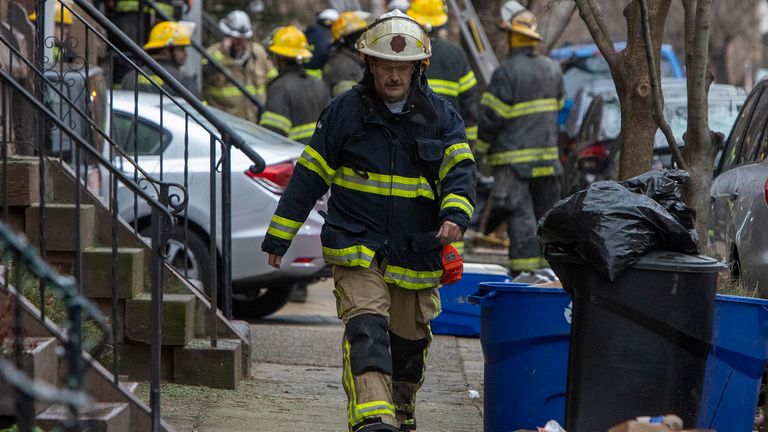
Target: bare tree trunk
point(629, 70)
point(700, 147)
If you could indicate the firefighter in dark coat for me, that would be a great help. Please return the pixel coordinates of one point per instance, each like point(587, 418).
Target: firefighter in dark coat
point(344, 67)
point(402, 180)
point(294, 99)
point(518, 118)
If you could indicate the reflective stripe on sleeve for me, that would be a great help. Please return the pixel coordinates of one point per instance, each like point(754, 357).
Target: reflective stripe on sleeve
point(342, 86)
point(317, 73)
point(467, 82)
point(149, 80)
point(524, 264)
point(311, 160)
point(412, 279)
point(472, 132)
point(302, 131)
point(453, 155)
point(276, 121)
point(511, 157)
point(444, 87)
point(383, 184)
point(459, 202)
point(519, 109)
point(272, 74)
point(232, 91)
point(283, 228)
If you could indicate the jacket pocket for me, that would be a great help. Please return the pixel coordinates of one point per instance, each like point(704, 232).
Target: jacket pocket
point(424, 241)
point(345, 226)
point(429, 150)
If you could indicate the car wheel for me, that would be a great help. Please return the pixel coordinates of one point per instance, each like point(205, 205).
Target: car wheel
point(253, 301)
point(192, 261)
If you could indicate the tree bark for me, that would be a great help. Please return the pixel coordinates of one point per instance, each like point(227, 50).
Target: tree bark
point(629, 70)
point(700, 145)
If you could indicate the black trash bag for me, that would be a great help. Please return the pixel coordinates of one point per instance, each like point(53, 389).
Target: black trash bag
point(612, 225)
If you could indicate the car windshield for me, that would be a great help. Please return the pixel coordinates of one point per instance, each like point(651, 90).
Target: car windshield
point(253, 134)
point(581, 72)
point(722, 116)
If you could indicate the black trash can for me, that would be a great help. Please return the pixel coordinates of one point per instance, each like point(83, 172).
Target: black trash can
point(638, 345)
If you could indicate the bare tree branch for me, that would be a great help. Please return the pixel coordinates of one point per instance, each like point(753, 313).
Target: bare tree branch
point(561, 30)
point(595, 21)
point(658, 104)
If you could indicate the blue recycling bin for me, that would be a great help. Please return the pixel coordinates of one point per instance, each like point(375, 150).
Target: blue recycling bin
point(459, 317)
point(524, 332)
point(735, 365)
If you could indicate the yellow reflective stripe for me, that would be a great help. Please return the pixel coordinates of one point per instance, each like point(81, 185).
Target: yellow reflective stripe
point(349, 383)
point(302, 131)
point(560, 104)
point(373, 408)
point(472, 132)
point(317, 73)
point(444, 87)
point(311, 160)
point(467, 82)
point(283, 228)
point(481, 146)
point(537, 154)
point(459, 202)
point(543, 171)
point(143, 80)
point(453, 155)
point(520, 109)
point(383, 184)
point(412, 279)
point(353, 256)
point(219, 56)
point(342, 86)
point(276, 121)
point(232, 91)
point(523, 264)
point(272, 74)
point(125, 6)
point(436, 298)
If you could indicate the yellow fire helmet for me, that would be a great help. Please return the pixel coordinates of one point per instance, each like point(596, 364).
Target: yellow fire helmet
point(58, 16)
point(517, 19)
point(291, 42)
point(170, 33)
point(430, 12)
point(395, 36)
point(346, 24)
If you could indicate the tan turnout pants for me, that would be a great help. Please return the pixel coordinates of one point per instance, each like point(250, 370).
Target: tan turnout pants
point(360, 291)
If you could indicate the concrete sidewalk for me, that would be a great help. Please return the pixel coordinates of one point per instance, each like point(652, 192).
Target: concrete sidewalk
point(296, 380)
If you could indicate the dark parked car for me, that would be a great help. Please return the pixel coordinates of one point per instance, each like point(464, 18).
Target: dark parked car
point(739, 196)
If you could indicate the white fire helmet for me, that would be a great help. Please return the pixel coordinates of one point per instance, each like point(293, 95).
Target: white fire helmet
point(395, 36)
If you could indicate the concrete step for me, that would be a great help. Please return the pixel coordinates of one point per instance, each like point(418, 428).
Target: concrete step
point(178, 319)
point(99, 417)
point(59, 226)
point(197, 363)
point(129, 386)
point(23, 181)
point(39, 363)
point(97, 272)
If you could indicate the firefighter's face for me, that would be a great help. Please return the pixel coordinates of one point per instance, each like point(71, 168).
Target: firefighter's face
point(391, 78)
point(179, 55)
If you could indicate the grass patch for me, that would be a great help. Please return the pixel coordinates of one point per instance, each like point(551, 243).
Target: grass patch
point(727, 284)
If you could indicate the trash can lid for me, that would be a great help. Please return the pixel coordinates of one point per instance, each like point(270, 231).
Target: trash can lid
point(516, 287)
point(485, 269)
point(658, 260)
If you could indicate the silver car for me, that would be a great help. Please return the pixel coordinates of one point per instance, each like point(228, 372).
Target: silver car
point(739, 196)
point(258, 289)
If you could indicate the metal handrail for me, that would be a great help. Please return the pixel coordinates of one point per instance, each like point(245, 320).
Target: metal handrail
point(228, 136)
point(212, 61)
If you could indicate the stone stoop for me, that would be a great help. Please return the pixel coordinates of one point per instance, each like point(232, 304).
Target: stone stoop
point(197, 363)
point(97, 272)
point(56, 216)
point(98, 417)
point(40, 362)
point(178, 319)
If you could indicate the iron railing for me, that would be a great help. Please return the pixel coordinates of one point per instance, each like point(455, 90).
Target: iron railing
point(78, 122)
point(20, 256)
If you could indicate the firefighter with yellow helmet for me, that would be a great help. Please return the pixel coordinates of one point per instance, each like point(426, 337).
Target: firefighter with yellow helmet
point(518, 118)
point(402, 178)
point(294, 99)
point(167, 44)
point(344, 67)
point(62, 28)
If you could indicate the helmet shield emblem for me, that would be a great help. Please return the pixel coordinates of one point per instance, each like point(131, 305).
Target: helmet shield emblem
point(398, 43)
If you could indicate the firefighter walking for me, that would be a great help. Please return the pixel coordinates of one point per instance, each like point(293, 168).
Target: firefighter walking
point(294, 99)
point(518, 118)
point(402, 181)
point(246, 60)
